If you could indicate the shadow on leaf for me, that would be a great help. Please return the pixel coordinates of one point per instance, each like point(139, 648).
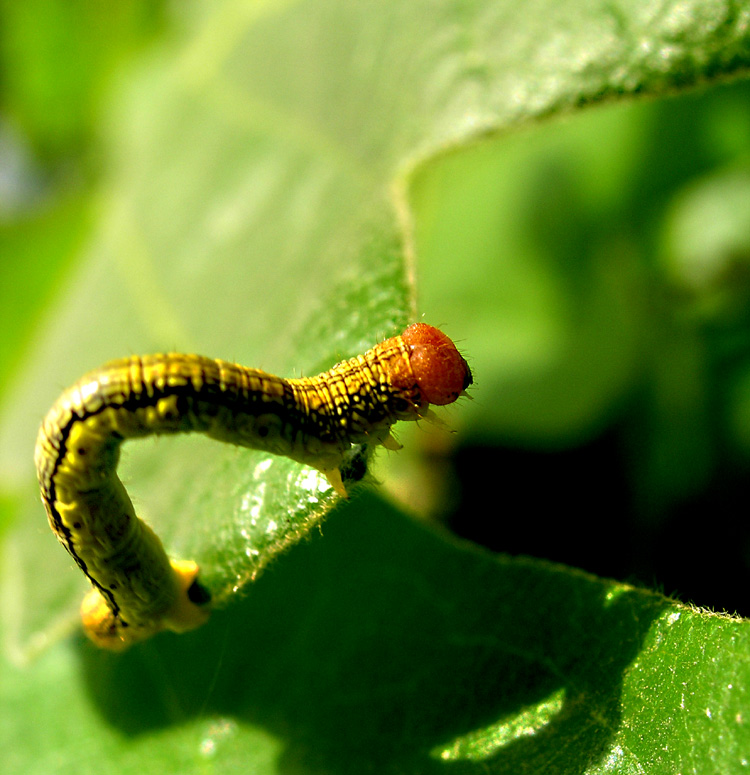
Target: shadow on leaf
point(383, 647)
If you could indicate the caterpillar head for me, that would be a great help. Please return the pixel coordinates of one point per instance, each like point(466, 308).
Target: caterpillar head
point(441, 372)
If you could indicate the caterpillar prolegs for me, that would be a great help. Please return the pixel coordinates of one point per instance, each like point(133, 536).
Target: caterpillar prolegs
point(136, 589)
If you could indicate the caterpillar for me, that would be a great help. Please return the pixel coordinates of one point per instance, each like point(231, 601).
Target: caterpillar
point(137, 590)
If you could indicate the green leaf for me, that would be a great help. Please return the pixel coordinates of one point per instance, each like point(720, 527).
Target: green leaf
point(380, 647)
point(256, 205)
point(56, 56)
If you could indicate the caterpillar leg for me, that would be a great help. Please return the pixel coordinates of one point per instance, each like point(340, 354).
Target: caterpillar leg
point(389, 442)
point(190, 609)
point(187, 611)
point(334, 479)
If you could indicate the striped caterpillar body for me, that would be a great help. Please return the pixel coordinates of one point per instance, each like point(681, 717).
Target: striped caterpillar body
point(136, 589)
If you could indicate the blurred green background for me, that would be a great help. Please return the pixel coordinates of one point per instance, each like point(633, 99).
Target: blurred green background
point(593, 268)
point(608, 257)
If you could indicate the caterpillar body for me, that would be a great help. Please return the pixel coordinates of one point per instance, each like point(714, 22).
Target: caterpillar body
point(136, 589)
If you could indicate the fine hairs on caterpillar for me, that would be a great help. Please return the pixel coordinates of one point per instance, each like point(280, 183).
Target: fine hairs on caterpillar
point(136, 589)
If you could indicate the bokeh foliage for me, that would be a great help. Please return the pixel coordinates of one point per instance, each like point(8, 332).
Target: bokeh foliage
point(283, 183)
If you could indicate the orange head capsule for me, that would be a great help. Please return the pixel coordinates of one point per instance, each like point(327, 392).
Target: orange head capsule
point(441, 372)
